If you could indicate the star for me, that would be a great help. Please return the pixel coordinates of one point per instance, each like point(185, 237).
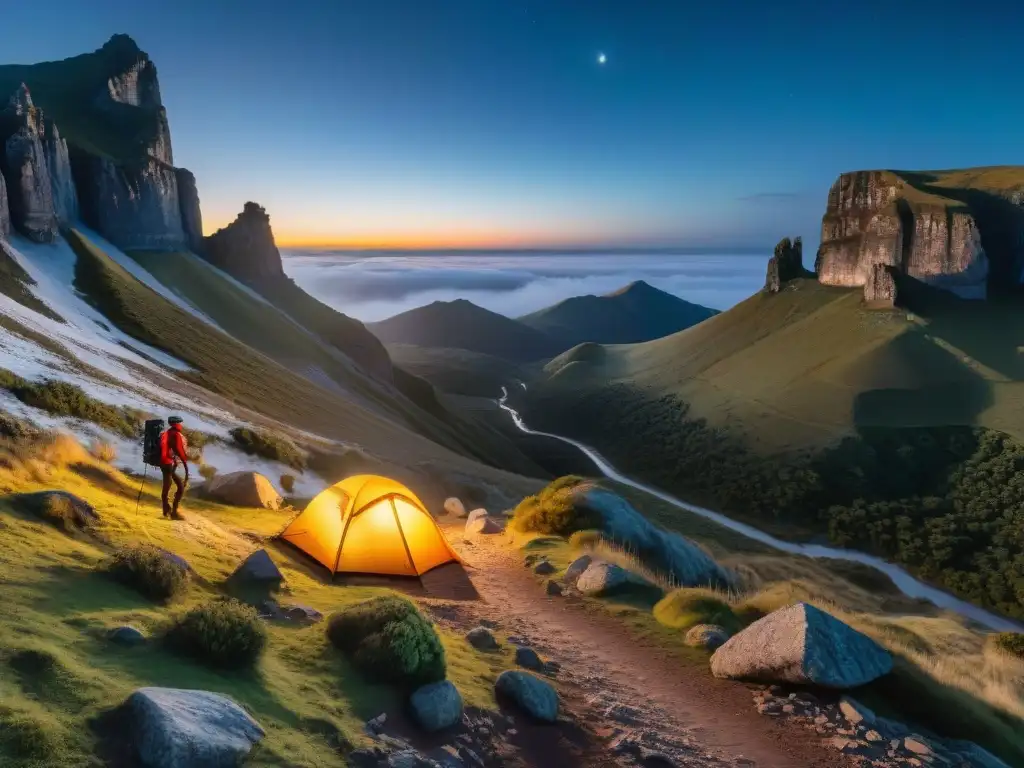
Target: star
point(601, 58)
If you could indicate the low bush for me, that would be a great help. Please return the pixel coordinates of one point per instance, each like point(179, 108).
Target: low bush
point(58, 508)
point(103, 450)
point(207, 472)
point(224, 634)
point(149, 571)
point(62, 398)
point(388, 639)
point(1009, 642)
point(269, 446)
point(685, 608)
point(586, 539)
point(288, 484)
point(555, 510)
point(197, 440)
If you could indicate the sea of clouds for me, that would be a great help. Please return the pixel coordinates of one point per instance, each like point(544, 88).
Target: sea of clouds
point(374, 287)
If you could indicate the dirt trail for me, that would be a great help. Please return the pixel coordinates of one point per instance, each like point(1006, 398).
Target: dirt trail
point(625, 690)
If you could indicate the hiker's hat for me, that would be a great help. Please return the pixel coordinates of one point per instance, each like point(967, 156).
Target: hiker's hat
point(174, 420)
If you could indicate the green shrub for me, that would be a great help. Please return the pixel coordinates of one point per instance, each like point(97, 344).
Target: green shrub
point(269, 446)
point(197, 440)
point(1009, 642)
point(685, 608)
point(150, 572)
point(555, 510)
point(59, 509)
point(64, 399)
point(288, 484)
point(207, 472)
point(586, 539)
point(224, 633)
point(103, 450)
point(388, 639)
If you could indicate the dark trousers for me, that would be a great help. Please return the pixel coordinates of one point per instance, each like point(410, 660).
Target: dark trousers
point(171, 475)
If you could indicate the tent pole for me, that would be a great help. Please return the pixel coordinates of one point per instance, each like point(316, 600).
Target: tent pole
point(408, 552)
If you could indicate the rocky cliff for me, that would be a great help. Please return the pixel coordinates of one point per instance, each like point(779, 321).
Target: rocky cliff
point(103, 152)
point(246, 250)
point(961, 231)
point(786, 264)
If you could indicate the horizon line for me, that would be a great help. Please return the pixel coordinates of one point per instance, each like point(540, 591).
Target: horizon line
point(552, 249)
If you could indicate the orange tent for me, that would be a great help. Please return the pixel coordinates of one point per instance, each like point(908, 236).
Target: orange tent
point(370, 524)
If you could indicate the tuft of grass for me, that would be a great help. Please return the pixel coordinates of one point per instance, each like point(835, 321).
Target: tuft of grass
point(1011, 643)
point(59, 509)
point(25, 737)
point(269, 446)
point(555, 511)
point(224, 634)
point(688, 607)
point(62, 398)
point(207, 472)
point(586, 539)
point(149, 571)
point(288, 484)
point(389, 639)
point(104, 451)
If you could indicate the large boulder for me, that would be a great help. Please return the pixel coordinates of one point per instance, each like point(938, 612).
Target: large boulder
point(576, 568)
point(173, 727)
point(600, 578)
point(258, 568)
point(437, 705)
point(244, 489)
point(676, 556)
point(804, 645)
point(536, 697)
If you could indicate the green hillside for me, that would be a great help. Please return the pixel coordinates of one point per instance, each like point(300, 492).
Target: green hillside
point(460, 324)
point(635, 313)
point(458, 371)
point(898, 432)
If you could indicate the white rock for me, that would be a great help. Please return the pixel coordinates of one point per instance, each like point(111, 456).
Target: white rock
point(453, 506)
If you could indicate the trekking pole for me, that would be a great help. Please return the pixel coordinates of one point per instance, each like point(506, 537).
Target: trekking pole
point(138, 501)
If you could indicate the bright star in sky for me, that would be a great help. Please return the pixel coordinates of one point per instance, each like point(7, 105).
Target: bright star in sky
point(601, 58)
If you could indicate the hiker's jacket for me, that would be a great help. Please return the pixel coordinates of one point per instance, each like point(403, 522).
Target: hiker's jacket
point(173, 447)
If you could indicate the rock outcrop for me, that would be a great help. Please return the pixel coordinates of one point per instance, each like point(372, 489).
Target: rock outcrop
point(880, 288)
point(5, 209)
point(25, 168)
point(191, 213)
point(244, 489)
point(245, 248)
point(62, 185)
point(879, 218)
point(802, 644)
point(787, 264)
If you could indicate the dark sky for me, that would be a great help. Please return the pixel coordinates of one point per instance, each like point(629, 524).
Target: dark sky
point(464, 122)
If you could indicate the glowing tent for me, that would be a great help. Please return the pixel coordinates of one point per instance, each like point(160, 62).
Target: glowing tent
point(370, 524)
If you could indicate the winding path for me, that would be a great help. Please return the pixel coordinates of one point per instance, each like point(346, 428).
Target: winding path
point(906, 583)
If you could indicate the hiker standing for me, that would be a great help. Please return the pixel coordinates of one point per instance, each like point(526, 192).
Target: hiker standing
point(173, 449)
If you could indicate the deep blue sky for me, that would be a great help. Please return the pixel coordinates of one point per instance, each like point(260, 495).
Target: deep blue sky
point(461, 121)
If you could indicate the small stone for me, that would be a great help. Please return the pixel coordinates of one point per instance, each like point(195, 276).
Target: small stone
point(375, 725)
point(535, 695)
point(840, 743)
point(482, 639)
point(553, 588)
point(874, 736)
point(126, 635)
point(437, 706)
point(544, 568)
point(855, 712)
point(528, 658)
point(917, 745)
point(821, 719)
point(709, 636)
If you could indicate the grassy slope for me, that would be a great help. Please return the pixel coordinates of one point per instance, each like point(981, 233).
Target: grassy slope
point(66, 90)
point(462, 325)
point(458, 371)
point(56, 603)
point(15, 283)
point(638, 312)
point(274, 333)
point(804, 366)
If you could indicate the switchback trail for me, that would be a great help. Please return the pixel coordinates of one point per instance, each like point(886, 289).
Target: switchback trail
point(624, 688)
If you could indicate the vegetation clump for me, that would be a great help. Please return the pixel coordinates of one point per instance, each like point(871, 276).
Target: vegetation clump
point(60, 509)
point(62, 398)
point(586, 539)
point(1009, 642)
point(288, 484)
point(223, 633)
point(556, 510)
point(388, 639)
point(150, 571)
point(207, 472)
point(26, 738)
point(269, 446)
point(686, 608)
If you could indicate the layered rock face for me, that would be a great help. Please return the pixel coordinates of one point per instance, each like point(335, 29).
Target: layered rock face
point(881, 286)
point(246, 249)
point(30, 194)
point(877, 218)
point(191, 214)
point(62, 184)
point(787, 264)
point(5, 211)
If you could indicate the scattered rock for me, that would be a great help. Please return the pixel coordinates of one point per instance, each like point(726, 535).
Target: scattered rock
point(454, 506)
point(258, 568)
point(576, 568)
point(535, 696)
point(544, 568)
point(874, 737)
point(243, 489)
point(375, 725)
point(855, 712)
point(553, 588)
point(482, 639)
point(710, 636)
point(173, 727)
point(479, 522)
point(437, 705)
point(528, 658)
point(804, 645)
point(126, 635)
point(476, 514)
point(917, 745)
point(600, 578)
point(298, 614)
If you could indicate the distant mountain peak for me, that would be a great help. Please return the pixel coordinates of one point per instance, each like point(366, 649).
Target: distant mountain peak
point(637, 286)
